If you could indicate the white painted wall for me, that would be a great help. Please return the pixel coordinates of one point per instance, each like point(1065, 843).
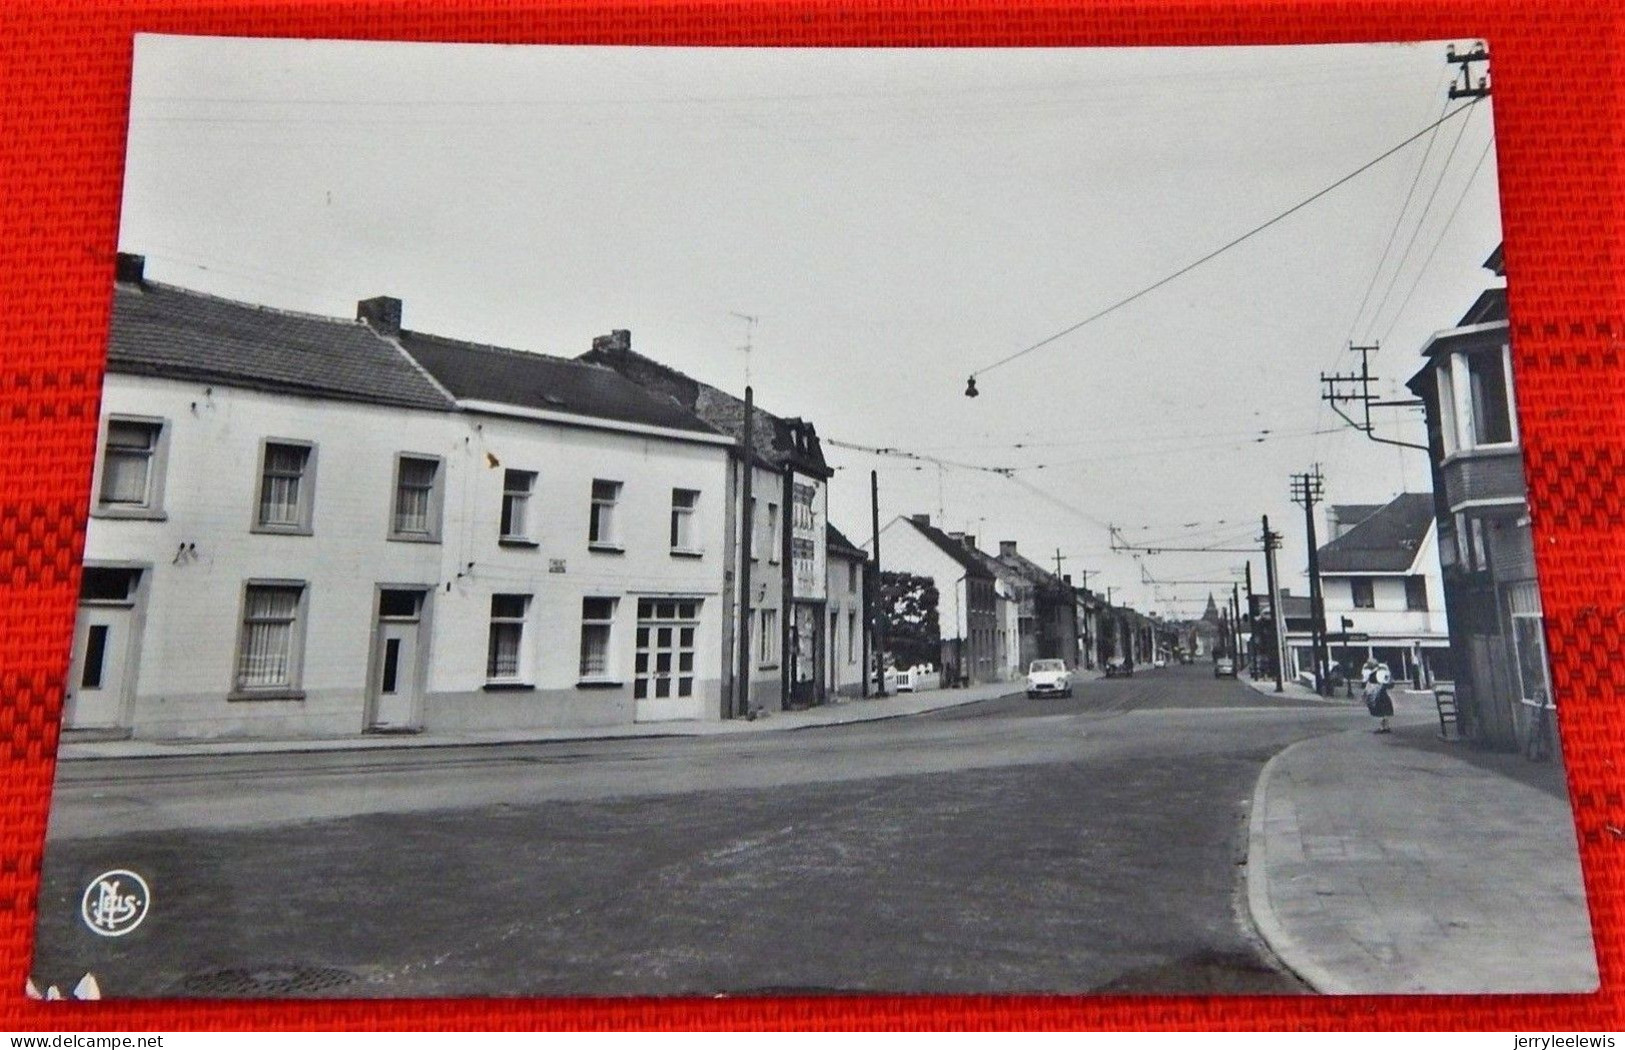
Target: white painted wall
point(903, 548)
point(193, 603)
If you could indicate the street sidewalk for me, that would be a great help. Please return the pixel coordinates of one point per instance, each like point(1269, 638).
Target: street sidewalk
point(846, 711)
point(1399, 863)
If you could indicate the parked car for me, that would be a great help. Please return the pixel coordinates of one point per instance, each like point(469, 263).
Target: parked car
point(1048, 678)
point(1224, 667)
point(1117, 667)
point(1159, 662)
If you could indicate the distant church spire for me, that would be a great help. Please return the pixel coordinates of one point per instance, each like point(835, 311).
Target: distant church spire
point(1212, 613)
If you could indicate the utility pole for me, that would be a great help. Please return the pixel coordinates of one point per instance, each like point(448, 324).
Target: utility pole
point(1307, 489)
point(1277, 612)
point(1467, 88)
point(1252, 635)
point(1235, 620)
point(877, 613)
point(1356, 387)
point(1058, 559)
point(750, 338)
point(746, 535)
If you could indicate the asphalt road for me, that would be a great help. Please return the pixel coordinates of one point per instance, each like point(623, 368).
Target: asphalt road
point(1090, 844)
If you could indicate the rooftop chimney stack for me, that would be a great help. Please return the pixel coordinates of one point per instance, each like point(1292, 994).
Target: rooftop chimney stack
point(618, 341)
point(1007, 548)
point(130, 269)
point(920, 519)
point(381, 313)
point(970, 541)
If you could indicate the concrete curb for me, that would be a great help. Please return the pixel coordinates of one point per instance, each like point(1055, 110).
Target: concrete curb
point(1265, 921)
point(852, 713)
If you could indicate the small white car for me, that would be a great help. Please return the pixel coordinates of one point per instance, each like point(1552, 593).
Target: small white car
point(1048, 678)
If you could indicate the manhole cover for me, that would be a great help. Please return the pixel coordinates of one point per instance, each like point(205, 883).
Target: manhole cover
point(267, 980)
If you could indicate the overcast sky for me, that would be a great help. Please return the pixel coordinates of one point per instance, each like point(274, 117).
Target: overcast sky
point(896, 219)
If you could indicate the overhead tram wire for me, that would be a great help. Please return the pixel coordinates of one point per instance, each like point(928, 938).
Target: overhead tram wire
point(1182, 271)
point(1399, 220)
point(1420, 221)
point(1439, 240)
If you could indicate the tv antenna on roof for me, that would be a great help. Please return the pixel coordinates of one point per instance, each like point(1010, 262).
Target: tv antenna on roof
point(750, 336)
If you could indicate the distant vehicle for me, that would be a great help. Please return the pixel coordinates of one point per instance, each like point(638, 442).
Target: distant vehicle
point(1117, 667)
point(1160, 662)
point(1048, 678)
point(1224, 667)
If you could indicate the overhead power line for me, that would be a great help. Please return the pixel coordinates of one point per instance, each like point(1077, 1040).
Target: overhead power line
point(1215, 253)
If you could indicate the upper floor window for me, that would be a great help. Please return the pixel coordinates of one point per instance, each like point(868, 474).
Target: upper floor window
point(287, 488)
point(1416, 593)
point(1476, 406)
point(601, 525)
point(852, 576)
point(773, 533)
point(132, 468)
point(418, 499)
point(683, 504)
point(1364, 593)
point(517, 489)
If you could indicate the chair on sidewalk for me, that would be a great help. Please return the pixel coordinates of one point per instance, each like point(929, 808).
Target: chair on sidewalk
point(1444, 698)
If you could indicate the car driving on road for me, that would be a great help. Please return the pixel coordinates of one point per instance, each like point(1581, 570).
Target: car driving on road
point(1048, 678)
point(1224, 667)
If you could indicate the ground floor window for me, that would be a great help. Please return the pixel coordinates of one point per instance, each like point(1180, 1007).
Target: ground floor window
point(505, 654)
point(665, 657)
point(767, 642)
point(1528, 638)
point(268, 653)
point(597, 623)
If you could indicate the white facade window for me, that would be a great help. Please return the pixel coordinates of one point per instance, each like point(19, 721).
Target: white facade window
point(517, 488)
point(755, 529)
point(773, 544)
point(767, 641)
point(268, 651)
point(684, 502)
point(131, 466)
point(505, 656)
point(287, 487)
point(852, 576)
point(665, 657)
point(601, 524)
point(851, 636)
point(597, 626)
point(1416, 593)
point(1363, 593)
point(417, 498)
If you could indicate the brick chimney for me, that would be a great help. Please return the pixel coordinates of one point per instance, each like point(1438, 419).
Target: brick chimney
point(920, 519)
point(1007, 548)
point(381, 313)
point(970, 541)
point(130, 269)
point(618, 341)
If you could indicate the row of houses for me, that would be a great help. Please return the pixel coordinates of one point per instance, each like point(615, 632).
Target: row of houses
point(1000, 612)
point(310, 526)
point(1441, 585)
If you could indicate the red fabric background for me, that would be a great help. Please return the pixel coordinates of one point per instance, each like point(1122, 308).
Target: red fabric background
point(64, 86)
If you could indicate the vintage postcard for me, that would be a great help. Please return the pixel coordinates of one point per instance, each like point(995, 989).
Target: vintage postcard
point(597, 521)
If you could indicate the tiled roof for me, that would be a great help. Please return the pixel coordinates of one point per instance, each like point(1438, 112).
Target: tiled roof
point(955, 549)
point(1352, 514)
point(159, 330)
point(475, 371)
point(1387, 541)
point(837, 543)
point(772, 438)
point(1032, 572)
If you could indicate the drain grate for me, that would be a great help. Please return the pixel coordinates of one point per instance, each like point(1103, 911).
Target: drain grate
point(267, 980)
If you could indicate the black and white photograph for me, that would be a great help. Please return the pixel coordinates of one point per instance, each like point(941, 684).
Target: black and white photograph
point(644, 521)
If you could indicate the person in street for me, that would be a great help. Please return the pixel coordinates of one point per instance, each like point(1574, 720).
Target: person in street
point(1378, 679)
